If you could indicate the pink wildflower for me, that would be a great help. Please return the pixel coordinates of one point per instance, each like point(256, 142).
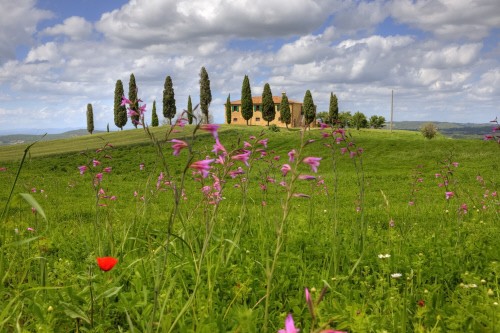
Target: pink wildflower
point(3, 169)
point(323, 125)
point(264, 142)
point(285, 169)
point(343, 150)
point(95, 163)
point(99, 177)
point(291, 155)
point(251, 137)
point(289, 325)
point(30, 229)
point(449, 195)
point(237, 172)
point(212, 128)
point(181, 122)
point(455, 164)
point(276, 158)
point(246, 144)
point(178, 145)
point(33, 190)
point(202, 166)
point(306, 177)
point(218, 147)
point(141, 166)
point(82, 169)
point(313, 162)
point(242, 157)
point(107, 169)
point(283, 183)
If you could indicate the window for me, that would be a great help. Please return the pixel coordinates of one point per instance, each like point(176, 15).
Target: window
point(256, 107)
point(277, 107)
point(257, 119)
point(235, 119)
point(235, 108)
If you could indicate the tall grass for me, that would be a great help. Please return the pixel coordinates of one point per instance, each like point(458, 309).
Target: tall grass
point(373, 230)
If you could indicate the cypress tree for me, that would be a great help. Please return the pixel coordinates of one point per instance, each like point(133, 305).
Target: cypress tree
point(169, 109)
point(228, 109)
point(309, 109)
point(333, 112)
point(205, 92)
point(90, 118)
point(120, 110)
point(268, 111)
point(286, 116)
point(132, 96)
point(190, 111)
point(246, 100)
point(154, 116)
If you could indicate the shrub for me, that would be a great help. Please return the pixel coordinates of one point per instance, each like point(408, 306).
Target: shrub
point(429, 130)
point(274, 128)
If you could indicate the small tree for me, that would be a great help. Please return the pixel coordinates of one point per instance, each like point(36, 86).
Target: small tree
point(309, 109)
point(90, 118)
point(190, 111)
point(205, 93)
point(228, 109)
point(377, 121)
point(154, 116)
point(429, 130)
point(246, 100)
point(333, 111)
point(169, 109)
point(345, 119)
point(107, 128)
point(286, 116)
point(268, 111)
point(132, 96)
point(359, 120)
point(120, 110)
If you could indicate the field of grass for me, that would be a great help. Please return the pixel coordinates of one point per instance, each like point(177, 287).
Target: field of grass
point(393, 233)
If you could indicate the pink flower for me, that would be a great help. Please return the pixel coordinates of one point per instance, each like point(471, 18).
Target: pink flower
point(30, 229)
point(95, 163)
point(264, 142)
point(33, 190)
point(251, 137)
point(218, 147)
point(276, 158)
point(437, 175)
point(455, 164)
point(237, 172)
point(283, 183)
point(449, 195)
point(107, 169)
point(285, 169)
point(289, 325)
point(242, 157)
point(246, 144)
point(309, 302)
point(306, 177)
point(125, 101)
point(141, 166)
point(323, 125)
point(99, 177)
point(313, 162)
point(291, 155)
point(181, 122)
point(3, 169)
point(202, 166)
point(178, 145)
point(343, 150)
point(212, 128)
point(82, 169)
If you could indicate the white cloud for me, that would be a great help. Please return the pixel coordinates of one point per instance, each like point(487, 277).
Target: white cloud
point(18, 24)
point(74, 27)
point(451, 19)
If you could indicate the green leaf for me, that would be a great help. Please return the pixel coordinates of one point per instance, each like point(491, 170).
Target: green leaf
point(32, 201)
point(74, 312)
point(110, 292)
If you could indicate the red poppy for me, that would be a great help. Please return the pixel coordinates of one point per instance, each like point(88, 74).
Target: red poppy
point(106, 263)
point(421, 303)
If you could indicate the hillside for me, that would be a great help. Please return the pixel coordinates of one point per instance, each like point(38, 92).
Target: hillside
point(451, 130)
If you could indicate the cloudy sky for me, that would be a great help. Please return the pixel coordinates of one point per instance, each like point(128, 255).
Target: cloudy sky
point(441, 57)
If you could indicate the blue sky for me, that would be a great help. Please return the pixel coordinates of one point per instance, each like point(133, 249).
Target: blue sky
point(441, 57)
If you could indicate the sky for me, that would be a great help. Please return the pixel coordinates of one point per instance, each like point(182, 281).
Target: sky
point(440, 57)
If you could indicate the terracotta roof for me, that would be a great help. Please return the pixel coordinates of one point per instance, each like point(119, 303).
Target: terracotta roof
point(258, 100)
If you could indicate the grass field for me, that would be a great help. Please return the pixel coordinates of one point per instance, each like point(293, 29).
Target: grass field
point(393, 233)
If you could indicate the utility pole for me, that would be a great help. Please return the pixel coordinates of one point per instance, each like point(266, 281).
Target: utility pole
point(392, 107)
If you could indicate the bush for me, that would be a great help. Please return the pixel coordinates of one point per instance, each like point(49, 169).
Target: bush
point(274, 128)
point(429, 130)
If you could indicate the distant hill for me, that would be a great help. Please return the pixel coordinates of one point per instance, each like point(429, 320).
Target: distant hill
point(13, 139)
point(452, 130)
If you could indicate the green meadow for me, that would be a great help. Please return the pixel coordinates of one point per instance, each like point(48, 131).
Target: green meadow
point(393, 233)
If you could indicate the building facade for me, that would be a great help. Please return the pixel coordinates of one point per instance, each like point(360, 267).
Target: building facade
point(297, 117)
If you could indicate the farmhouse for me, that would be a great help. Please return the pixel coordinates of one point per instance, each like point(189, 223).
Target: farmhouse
point(297, 116)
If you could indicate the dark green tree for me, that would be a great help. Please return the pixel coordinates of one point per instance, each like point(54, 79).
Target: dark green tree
point(154, 116)
point(246, 100)
point(333, 112)
point(268, 111)
point(119, 109)
point(90, 118)
point(228, 109)
point(205, 93)
point(190, 111)
point(377, 121)
point(309, 109)
point(359, 120)
point(107, 128)
point(286, 116)
point(132, 96)
point(169, 109)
